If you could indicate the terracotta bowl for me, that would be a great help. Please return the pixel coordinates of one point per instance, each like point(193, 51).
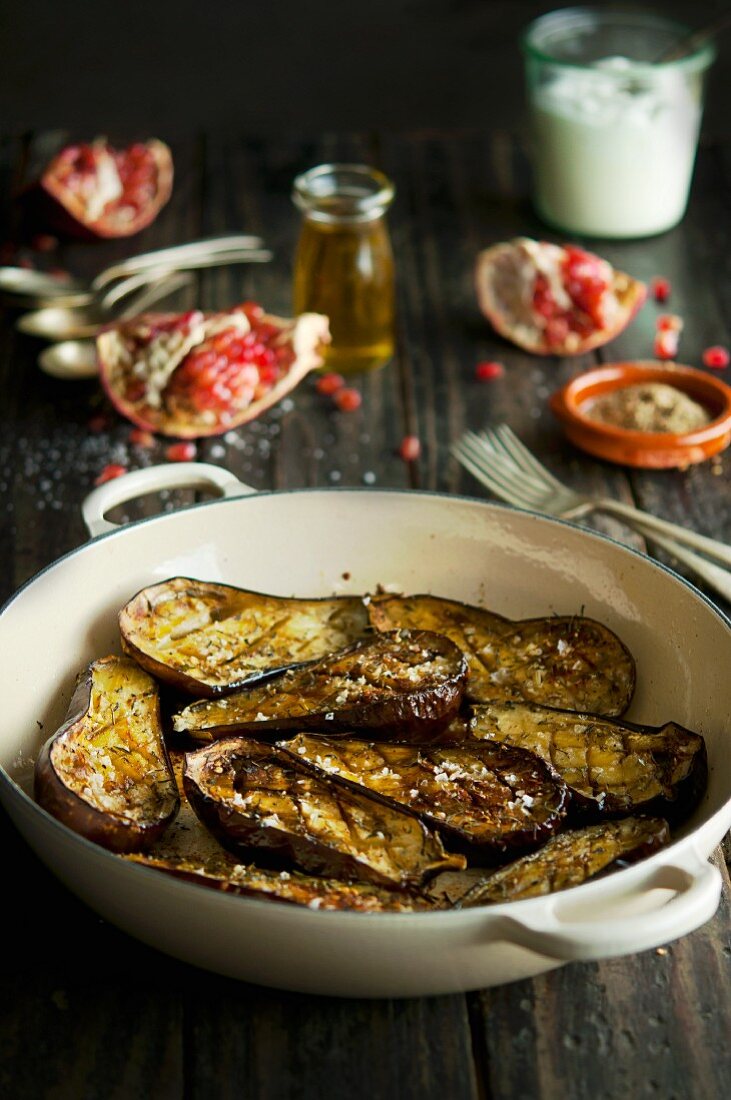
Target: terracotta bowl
point(654, 450)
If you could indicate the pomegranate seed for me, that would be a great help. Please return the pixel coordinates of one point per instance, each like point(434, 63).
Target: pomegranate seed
point(669, 322)
point(660, 288)
point(347, 400)
point(110, 472)
point(26, 263)
point(181, 452)
point(410, 448)
point(717, 357)
point(328, 384)
point(98, 423)
point(59, 273)
point(489, 371)
point(138, 437)
point(666, 345)
point(44, 242)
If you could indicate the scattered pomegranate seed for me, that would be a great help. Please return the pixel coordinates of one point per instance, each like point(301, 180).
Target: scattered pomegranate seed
point(660, 288)
point(181, 452)
point(138, 437)
point(98, 423)
point(410, 448)
point(347, 400)
point(329, 384)
point(489, 371)
point(669, 322)
point(44, 242)
point(59, 273)
point(27, 264)
point(666, 345)
point(110, 472)
point(717, 357)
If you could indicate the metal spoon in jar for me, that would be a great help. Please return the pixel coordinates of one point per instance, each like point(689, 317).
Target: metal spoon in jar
point(39, 288)
point(76, 359)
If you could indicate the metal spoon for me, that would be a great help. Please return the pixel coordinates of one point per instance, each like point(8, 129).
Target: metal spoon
point(56, 322)
point(76, 359)
point(66, 322)
point(39, 288)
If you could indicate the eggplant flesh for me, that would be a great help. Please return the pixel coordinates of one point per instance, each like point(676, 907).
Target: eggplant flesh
point(105, 773)
point(404, 684)
point(562, 661)
point(487, 800)
point(256, 799)
point(189, 851)
point(208, 639)
point(610, 766)
point(570, 859)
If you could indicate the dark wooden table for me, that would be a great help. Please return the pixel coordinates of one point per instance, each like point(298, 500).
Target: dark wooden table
point(87, 1012)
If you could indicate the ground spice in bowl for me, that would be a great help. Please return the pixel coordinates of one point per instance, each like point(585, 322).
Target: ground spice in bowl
point(648, 407)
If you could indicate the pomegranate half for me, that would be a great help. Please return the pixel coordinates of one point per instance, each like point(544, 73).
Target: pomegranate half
point(196, 374)
point(94, 190)
point(554, 300)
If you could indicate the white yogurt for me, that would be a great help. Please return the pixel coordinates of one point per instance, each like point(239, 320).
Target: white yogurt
point(614, 146)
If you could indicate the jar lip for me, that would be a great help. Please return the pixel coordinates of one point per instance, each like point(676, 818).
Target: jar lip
point(366, 192)
point(699, 60)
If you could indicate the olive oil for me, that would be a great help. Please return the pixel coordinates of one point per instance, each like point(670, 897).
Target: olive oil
point(344, 264)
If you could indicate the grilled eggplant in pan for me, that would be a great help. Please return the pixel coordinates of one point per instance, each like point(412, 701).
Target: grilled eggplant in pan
point(256, 799)
point(562, 661)
point(405, 685)
point(570, 859)
point(489, 801)
point(209, 639)
point(189, 851)
point(610, 766)
point(105, 773)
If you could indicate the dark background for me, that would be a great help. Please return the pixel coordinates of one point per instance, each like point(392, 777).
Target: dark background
point(169, 67)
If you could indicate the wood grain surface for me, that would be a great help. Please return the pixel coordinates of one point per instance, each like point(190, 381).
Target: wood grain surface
point(87, 1012)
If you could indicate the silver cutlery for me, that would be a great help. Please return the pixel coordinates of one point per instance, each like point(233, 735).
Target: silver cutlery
point(39, 288)
point(498, 459)
point(76, 359)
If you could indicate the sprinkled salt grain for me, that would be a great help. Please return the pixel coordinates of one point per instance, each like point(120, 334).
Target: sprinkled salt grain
point(285, 876)
point(301, 750)
point(413, 793)
point(260, 717)
point(329, 716)
point(316, 903)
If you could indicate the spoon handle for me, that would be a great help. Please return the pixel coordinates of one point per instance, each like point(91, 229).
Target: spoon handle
point(167, 283)
point(693, 41)
point(176, 256)
point(193, 262)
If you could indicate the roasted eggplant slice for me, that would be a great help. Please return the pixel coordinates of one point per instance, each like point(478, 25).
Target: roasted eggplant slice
point(610, 766)
point(189, 851)
point(105, 773)
point(209, 639)
point(487, 800)
point(256, 799)
point(560, 661)
point(405, 685)
point(570, 859)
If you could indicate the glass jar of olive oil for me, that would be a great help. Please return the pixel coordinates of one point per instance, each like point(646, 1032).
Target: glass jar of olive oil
point(344, 264)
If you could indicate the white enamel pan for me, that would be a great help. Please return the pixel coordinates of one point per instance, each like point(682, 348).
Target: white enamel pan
point(313, 543)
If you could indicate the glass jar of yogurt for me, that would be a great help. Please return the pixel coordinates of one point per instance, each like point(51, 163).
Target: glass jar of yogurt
point(614, 129)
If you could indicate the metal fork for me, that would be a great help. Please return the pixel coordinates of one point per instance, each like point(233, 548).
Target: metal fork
point(498, 459)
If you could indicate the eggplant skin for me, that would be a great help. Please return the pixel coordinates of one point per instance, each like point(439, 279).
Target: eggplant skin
point(258, 801)
point(570, 859)
point(188, 851)
point(290, 887)
point(106, 773)
point(611, 767)
point(405, 685)
point(561, 660)
point(209, 639)
point(489, 801)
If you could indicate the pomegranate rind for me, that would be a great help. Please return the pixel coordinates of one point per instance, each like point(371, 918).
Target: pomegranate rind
point(65, 211)
point(309, 334)
point(500, 282)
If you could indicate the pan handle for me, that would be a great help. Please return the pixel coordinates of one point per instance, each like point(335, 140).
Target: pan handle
point(173, 475)
point(697, 886)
